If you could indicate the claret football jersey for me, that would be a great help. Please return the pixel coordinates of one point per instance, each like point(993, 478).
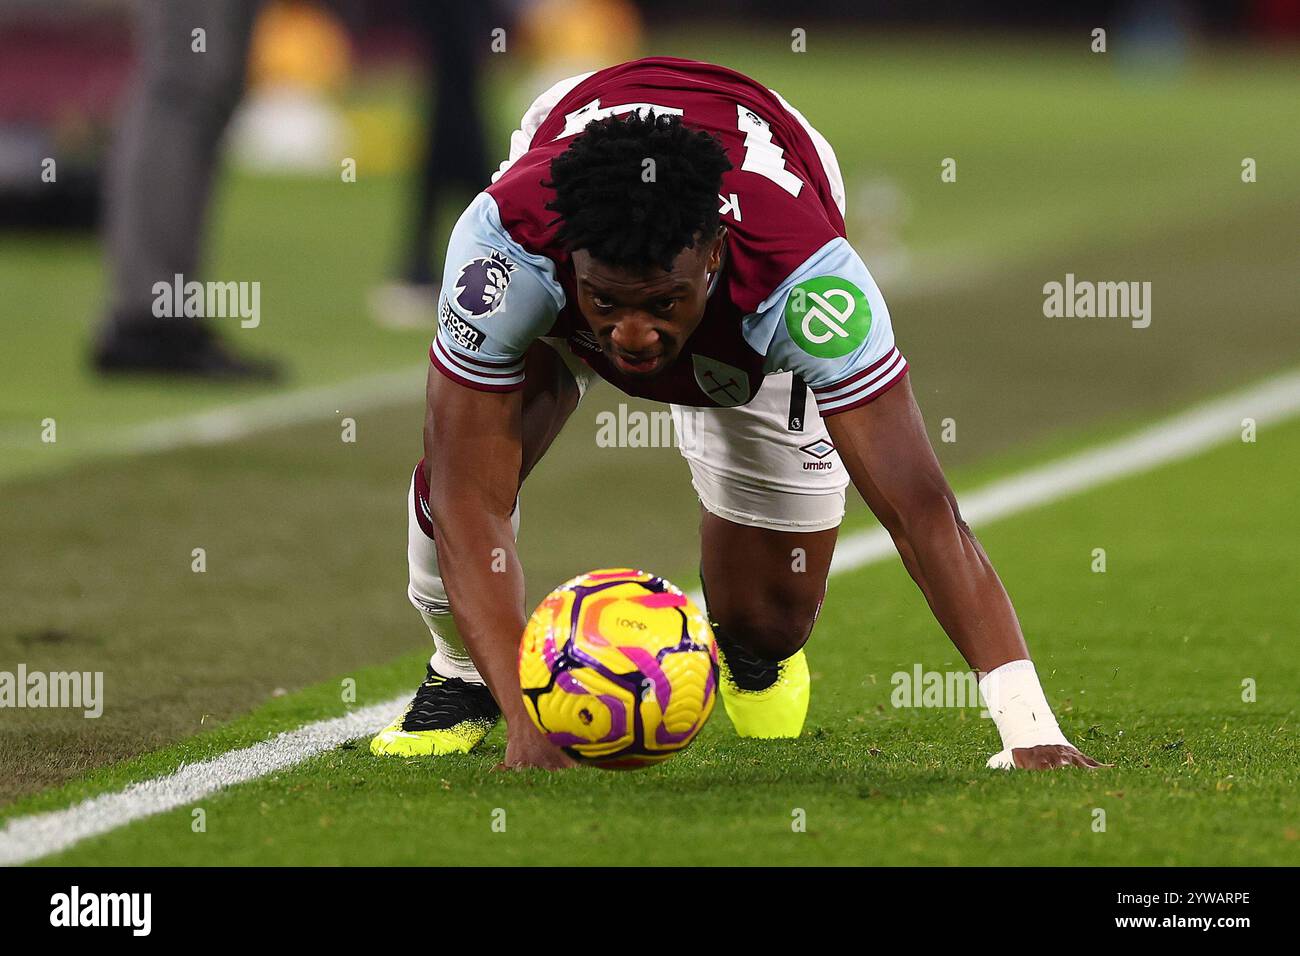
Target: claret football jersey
point(791, 294)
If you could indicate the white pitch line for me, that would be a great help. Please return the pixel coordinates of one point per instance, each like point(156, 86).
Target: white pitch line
point(255, 415)
point(29, 838)
point(1200, 428)
point(1181, 436)
point(242, 419)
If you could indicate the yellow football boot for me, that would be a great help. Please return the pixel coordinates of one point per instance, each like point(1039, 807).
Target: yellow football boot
point(447, 716)
point(764, 698)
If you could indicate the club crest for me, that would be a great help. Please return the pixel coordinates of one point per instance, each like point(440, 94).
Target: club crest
point(725, 384)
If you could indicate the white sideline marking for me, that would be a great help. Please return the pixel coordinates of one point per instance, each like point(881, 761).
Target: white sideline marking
point(252, 416)
point(29, 838)
point(241, 419)
point(1182, 436)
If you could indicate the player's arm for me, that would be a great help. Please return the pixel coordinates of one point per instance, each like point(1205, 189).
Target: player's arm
point(829, 323)
point(496, 300)
point(473, 449)
point(884, 446)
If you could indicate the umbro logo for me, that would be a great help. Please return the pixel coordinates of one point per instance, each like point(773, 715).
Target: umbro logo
point(821, 449)
point(818, 449)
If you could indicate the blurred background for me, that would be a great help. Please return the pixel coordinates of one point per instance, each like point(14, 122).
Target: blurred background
point(323, 150)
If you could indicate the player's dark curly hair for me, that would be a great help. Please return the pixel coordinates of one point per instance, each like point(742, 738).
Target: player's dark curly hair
point(605, 205)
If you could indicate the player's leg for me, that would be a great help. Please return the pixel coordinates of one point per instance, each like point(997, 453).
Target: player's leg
point(452, 709)
point(773, 490)
point(763, 589)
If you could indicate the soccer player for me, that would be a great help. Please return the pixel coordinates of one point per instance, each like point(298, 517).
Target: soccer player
point(677, 229)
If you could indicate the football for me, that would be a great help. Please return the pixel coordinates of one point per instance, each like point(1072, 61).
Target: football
point(618, 668)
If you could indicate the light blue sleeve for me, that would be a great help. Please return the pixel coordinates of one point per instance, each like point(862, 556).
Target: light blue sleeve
point(828, 323)
point(496, 300)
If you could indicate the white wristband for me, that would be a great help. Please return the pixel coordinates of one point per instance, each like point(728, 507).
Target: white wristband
point(1016, 702)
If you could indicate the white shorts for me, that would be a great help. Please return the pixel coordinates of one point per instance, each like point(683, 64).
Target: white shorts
point(768, 464)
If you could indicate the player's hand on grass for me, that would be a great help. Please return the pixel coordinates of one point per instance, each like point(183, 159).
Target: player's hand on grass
point(526, 748)
point(1051, 756)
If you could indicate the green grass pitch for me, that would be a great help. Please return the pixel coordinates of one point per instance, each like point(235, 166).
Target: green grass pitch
point(1066, 164)
point(1144, 663)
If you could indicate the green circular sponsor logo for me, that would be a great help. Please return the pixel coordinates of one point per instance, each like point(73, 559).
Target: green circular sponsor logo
point(827, 316)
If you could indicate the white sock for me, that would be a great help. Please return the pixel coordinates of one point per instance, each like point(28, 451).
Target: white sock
point(451, 656)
